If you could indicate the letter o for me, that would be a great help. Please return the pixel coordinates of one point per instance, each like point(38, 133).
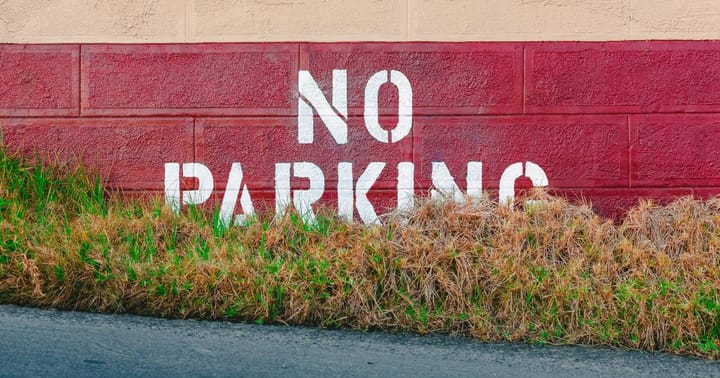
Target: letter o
point(371, 115)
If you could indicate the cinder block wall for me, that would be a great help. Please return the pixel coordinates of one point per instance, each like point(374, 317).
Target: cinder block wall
point(611, 121)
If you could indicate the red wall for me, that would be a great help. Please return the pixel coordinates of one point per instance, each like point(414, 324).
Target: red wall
point(611, 121)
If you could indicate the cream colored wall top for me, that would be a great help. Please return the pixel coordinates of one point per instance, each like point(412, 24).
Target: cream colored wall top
point(135, 21)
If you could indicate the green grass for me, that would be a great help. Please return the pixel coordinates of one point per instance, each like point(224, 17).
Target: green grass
point(553, 273)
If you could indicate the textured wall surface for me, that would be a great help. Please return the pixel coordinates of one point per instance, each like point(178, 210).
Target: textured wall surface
point(608, 121)
point(173, 21)
point(44, 21)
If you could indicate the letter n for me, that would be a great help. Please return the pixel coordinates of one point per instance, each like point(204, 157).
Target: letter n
point(334, 117)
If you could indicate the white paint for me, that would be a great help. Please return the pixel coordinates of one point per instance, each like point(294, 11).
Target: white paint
point(364, 183)
point(536, 174)
point(205, 183)
point(346, 198)
point(445, 185)
point(172, 186)
point(303, 199)
point(282, 188)
point(227, 208)
point(507, 181)
point(351, 194)
point(355, 196)
point(334, 117)
point(371, 112)
point(405, 186)
point(339, 90)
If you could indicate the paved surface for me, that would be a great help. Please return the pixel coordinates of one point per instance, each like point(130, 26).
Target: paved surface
point(52, 343)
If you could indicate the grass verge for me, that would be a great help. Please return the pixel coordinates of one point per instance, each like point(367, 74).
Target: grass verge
point(553, 272)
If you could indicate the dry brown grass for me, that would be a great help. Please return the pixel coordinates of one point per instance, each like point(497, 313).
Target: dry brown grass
point(553, 272)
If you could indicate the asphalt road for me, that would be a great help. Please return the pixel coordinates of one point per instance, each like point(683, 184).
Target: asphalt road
point(37, 342)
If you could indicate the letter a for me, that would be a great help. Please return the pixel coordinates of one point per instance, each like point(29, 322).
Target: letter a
point(230, 198)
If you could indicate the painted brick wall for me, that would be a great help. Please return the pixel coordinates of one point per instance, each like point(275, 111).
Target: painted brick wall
point(608, 121)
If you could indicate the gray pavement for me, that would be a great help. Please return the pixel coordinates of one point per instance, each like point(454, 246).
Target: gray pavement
point(36, 342)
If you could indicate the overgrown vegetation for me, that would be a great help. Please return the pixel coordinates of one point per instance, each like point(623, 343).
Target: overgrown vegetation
point(553, 272)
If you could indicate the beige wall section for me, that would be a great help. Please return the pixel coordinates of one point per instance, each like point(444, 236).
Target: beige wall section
point(284, 20)
point(134, 21)
point(92, 21)
point(521, 20)
point(671, 19)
